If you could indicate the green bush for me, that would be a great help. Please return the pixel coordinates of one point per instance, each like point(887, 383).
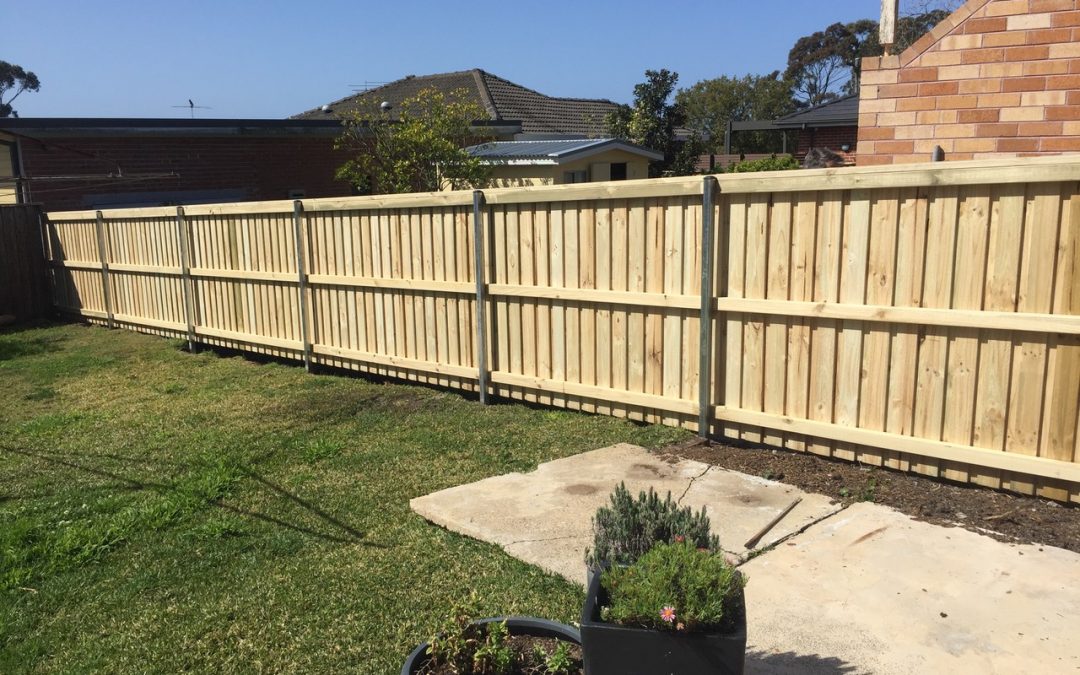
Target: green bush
point(774, 163)
point(628, 528)
point(675, 587)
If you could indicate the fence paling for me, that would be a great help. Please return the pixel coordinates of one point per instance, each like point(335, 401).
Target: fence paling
point(903, 317)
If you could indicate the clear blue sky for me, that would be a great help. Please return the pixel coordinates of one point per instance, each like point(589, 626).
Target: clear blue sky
point(273, 59)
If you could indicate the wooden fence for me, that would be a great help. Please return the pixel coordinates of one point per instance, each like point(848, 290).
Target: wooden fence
point(24, 287)
point(924, 318)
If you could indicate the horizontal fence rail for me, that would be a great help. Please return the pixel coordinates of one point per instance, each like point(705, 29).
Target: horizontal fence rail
point(924, 318)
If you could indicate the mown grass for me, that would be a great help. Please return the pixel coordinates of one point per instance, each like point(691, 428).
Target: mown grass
point(163, 511)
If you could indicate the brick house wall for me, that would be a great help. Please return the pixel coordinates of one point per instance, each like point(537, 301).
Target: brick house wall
point(833, 138)
point(243, 167)
point(996, 78)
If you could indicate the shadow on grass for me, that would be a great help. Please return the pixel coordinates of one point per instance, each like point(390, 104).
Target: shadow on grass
point(13, 346)
point(790, 662)
point(350, 534)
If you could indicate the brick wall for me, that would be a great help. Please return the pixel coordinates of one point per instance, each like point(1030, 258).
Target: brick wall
point(256, 168)
point(997, 78)
point(833, 138)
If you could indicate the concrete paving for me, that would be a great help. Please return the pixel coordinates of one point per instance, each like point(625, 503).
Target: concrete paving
point(545, 517)
point(871, 590)
point(860, 590)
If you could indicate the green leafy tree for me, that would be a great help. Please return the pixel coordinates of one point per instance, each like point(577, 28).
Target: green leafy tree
point(710, 104)
point(420, 147)
point(652, 121)
point(825, 65)
point(14, 80)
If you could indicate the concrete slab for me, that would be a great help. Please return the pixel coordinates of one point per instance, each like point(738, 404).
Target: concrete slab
point(544, 517)
point(871, 590)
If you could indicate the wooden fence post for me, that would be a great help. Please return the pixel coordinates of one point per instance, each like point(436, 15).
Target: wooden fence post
point(102, 253)
point(709, 187)
point(187, 289)
point(301, 274)
point(481, 292)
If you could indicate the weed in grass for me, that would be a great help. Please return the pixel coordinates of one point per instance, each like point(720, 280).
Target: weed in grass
point(322, 448)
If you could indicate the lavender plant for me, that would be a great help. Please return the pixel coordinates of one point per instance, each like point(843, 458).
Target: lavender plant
point(627, 528)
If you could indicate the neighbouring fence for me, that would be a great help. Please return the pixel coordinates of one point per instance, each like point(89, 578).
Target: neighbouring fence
point(24, 286)
point(924, 318)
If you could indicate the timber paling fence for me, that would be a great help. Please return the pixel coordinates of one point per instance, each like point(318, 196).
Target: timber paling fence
point(924, 318)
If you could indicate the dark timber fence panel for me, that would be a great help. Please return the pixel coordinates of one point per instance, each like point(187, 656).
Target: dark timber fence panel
point(24, 291)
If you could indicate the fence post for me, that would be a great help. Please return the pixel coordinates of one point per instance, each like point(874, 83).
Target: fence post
point(186, 288)
point(481, 293)
point(100, 227)
point(301, 275)
point(709, 188)
point(49, 281)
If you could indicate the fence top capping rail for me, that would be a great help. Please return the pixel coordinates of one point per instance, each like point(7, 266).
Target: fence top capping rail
point(973, 172)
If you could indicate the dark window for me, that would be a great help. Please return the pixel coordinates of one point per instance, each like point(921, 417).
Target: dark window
point(618, 171)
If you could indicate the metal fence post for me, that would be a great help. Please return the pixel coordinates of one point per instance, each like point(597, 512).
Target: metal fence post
point(481, 293)
point(301, 275)
point(709, 188)
point(100, 227)
point(186, 287)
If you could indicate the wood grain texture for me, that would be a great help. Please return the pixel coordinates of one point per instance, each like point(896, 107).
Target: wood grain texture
point(919, 318)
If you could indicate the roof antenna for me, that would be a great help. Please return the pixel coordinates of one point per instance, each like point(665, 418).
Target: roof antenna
point(191, 106)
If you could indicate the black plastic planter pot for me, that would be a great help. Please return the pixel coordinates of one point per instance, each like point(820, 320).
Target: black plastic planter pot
point(610, 649)
point(516, 625)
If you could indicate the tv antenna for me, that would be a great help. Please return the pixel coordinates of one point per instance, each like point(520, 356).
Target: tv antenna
point(191, 106)
point(366, 86)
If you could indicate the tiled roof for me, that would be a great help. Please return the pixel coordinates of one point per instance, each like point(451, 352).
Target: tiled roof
point(503, 100)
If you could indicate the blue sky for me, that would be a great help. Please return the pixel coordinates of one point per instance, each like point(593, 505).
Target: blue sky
point(273, 59)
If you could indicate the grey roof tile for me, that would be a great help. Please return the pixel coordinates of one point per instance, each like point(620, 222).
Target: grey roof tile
point(503, 100)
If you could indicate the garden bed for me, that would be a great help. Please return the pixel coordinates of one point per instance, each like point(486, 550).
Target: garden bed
point(1004, 516)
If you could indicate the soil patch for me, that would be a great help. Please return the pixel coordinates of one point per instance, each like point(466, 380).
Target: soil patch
point(1003, 516)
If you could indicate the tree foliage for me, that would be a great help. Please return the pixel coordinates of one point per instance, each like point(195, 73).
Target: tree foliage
point(651, 122)
point(14, 80)
point(418, 148)
point(710, 104)
point(825, 65)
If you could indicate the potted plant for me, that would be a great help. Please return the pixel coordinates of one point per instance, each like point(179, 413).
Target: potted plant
point(629, 528)
point(496, 646)
point(678, 609)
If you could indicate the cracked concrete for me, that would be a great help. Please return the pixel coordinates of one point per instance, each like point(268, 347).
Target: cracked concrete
point(859, 590)
point(545, 517)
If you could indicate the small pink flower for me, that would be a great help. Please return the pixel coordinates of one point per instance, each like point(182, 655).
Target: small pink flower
point(668, 613)
point(679, 539)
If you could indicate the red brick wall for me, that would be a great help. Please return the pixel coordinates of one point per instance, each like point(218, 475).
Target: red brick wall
point(997, 78)
point(259, 168)
point(832, 138)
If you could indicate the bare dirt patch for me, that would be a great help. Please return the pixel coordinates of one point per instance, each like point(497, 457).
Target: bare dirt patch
point(1004, 516)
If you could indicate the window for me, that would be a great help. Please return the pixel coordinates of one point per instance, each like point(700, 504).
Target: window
point(618, 171)
point(575, 176)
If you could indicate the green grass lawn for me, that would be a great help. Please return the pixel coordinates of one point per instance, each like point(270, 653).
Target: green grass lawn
point(163, 511)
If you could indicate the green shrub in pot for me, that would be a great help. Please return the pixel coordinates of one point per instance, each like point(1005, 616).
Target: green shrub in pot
point(628, 528)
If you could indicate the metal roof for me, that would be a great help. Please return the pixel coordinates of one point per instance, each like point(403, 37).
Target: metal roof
point(149, 126)
point(841, 112)
point(553, 151)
